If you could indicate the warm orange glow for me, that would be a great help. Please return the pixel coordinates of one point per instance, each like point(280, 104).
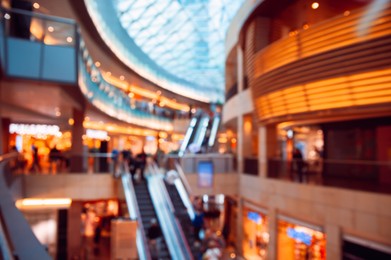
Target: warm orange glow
point(348, 91)
point(112, 128)
point(39, 203)
point(319, 38)
point(315, 5)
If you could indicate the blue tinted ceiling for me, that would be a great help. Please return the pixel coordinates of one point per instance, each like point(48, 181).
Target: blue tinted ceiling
point(183, 37)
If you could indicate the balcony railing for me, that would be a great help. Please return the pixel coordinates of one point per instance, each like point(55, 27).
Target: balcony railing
point(374, 176)
point(47, 48)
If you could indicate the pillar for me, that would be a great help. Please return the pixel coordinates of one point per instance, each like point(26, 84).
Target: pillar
point(333, 242)
point(77, 159)
point(74, 236)
point(273, 234)
point(239, 227)
point(5, 135)
point(239, 149)
point(267, 147)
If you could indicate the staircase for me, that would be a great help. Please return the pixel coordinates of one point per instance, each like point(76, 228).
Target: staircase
point(147, 212)
point(183, 218)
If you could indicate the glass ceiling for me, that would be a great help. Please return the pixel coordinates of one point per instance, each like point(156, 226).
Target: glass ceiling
point(183, 37)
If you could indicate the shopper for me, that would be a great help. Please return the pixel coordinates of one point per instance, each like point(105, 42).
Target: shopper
point(298, 163)
point(154, 236)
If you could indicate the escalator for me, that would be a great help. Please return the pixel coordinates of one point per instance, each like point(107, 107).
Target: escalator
point(183, 217)
point(147, 212)
point(201, 134)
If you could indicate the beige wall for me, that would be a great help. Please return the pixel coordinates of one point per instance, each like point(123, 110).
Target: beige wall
point(239, 104)
point(223, 183)
point(74, 186)
point(360, 214)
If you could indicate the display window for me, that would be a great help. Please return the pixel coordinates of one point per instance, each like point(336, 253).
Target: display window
point(256, 235)
point(34, 143)
point(297, 242)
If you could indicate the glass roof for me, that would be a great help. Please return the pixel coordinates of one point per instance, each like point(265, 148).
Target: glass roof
point(183, 37)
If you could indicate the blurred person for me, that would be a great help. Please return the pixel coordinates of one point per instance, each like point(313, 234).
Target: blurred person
point(35, 167)
point(154, 234)
point(298, 163)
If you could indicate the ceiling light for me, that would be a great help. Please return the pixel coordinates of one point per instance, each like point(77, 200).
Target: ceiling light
point(121, 77)
point(97, 64)
point(315, 5)
point(69, 39)
point(7, 16)
point(36, 5)
point(51, 29)
point(108, 73)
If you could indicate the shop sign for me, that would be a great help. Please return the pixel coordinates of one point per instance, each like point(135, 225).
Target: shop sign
point(26, 129)
point(254, 216)
point(299, 236)
point(96, 134)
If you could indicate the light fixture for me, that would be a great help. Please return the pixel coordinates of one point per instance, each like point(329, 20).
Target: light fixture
point(108, 73)
point(36, 5)
point(71, 121)
point(306, 26)
point(121, 77)
point(7, 16)
point(31, 203)
point(346, 13)
point(131, 94)
point(97, 64)
point(51, 29)
point(315, 5)
point(69, 39)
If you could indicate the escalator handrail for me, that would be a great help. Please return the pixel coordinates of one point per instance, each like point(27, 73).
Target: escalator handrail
point(183, 178)
point(142, 245)
point(160, 192)
point(21, 239)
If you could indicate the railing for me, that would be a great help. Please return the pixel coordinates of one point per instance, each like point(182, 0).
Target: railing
point(134, 211)
point(372, 176)
point(32, 45)
point(232, 91)
point(112, 100)
point(173, 233)
point(251, 165)
point(22, 243)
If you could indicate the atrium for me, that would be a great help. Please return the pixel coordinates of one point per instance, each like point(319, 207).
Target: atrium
point(195, 129)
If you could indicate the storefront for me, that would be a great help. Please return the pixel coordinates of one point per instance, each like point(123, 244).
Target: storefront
point(25, 138)
point(299, 241)
point(256, 235)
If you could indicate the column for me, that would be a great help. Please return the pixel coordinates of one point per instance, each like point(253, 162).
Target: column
point(74, 236)
point(78, 158)
point(273, 234)
point(5, 135)
point(267, 147)
point(240, 67)
point(262, 154)
point(333, 242)
point(240, 140)
point(239, 227)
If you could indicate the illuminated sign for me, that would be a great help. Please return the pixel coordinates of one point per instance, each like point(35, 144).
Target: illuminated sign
point(25, 129)
point(205, 174)
point(96, 134)
point(299, 236)
point(254, 216)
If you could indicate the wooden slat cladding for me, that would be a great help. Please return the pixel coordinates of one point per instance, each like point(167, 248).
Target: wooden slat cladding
point(329, 35)
point(368, 56)
point(323, 68)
